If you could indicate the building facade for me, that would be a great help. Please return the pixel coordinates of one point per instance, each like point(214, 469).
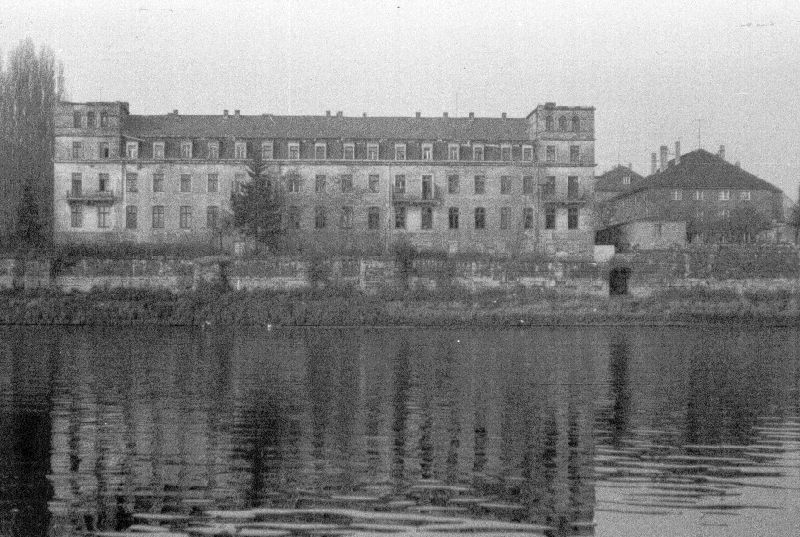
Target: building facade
point(352, 184)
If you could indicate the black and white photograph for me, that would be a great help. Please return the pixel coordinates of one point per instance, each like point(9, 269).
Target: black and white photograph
point(408, 268)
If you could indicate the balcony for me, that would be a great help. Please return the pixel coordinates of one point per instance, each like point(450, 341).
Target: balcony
point(97, 197)
point(578, 196)
point(426, 198)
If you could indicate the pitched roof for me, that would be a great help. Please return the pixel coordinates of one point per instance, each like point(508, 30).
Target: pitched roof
point(611, 181)
point(373, 128)
point(701, 169)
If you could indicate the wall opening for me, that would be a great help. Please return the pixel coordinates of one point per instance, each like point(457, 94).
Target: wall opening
point(618, 281)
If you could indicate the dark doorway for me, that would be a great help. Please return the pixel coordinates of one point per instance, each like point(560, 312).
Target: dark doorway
point(618, 281)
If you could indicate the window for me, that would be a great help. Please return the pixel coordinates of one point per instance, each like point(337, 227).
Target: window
point(374, 183)
point(294, 217)
point(373, 217)
point(505, 152)
point(699, 195)
point(677, 195)
point(527, 153)
point(267, 151)
point(427, 152)
point(505, 184)
point(212, 217)
point(158, 182)
point(320, 151)
point(527, 184)
point(77, 150)
point(400, 151)
point(626, 180)
point(550, 153)
point(576, 124)
point(549, 189)
point(480, 218)
point(572, 187)
point(505, 215)
point(131, 182)
point(562, 123)
point(102, 182)
point(427, 187)
point(550, 218)
point(132, 150)
point(213, 182)
point(131, 216)
point(452, 152)
point(103, 150)
point(477, 152)
point(574, 154)
point(399, 184)
point(427, 218)
point(372, 151)
point(452, 184)
point(186, 149)
point(319, 183)
point(572, 218)
point(77, 184)
point(213, 150)
point(90, 119)
point(346, 217)
point(76, 119)
point(480, 184)
point(104, 119)
point(347, 183)
point(400, 217)
point(349, 152)
point(186, 183)
point(103, 212)
point(527, 218)
point(744, 195)
point(294, 151)
point(452, 218)
point(240, 150)
point(319, 218)
point(548, 123)
point(185, 217)
point(238, 181)
point(724, 195)
point(76, 216)
point(158, 150)
point(158, 217)
point(293, 183)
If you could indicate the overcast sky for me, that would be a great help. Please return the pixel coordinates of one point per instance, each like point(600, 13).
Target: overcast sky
point(651, 69)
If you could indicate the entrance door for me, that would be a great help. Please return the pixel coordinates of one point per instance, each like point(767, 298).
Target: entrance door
point(618, 281)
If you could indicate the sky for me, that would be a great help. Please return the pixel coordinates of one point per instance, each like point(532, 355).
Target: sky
point(705, 73)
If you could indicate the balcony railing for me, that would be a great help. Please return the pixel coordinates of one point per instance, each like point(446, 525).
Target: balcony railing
point(431, 199)
point(570, 197)
point(97, 196)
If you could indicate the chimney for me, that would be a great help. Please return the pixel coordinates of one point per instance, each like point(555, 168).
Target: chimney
point(418, 114)
point(236, 112)
point(364, 114)
point(721, 153)
point(738, 164)
point(444, 114)
point(653, 165)
point(339, 113)
point(225, 113)
point(677, 153)
point(663, 158)
point(503, 115)
point(175, 111)
point(472, 115)
point(328, 113)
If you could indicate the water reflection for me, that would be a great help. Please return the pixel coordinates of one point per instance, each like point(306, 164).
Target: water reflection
point(552, 428)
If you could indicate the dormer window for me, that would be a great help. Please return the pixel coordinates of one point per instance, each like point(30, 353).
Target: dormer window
point(267, 151)
point(576, 124)
point(186, 150)
point(562, 123)
point(349, 151)
point(240, 150)
point(158, 150)
point(132, 150)
point(90, 119)
point(626, 180)
point(505, 152)
point(213, 150)
point(399, 151)
point(477, 152)
point(548, 123)
point(452, 152)
point(320, 151)
point(527, 153)
point(427, 151)
point(104, 119)
point(294, 150)
point(372, 151)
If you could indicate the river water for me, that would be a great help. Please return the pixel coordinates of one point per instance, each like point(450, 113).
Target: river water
point(624, 431)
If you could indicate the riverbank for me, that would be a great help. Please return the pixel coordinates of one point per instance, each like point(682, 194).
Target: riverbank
point(348, 307)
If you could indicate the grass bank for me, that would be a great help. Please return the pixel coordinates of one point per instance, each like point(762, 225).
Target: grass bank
point(348, 307)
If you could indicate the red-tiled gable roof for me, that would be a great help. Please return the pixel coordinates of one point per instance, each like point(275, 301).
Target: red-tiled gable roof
point(701, 169)
point(611, 181)
point(304, 127)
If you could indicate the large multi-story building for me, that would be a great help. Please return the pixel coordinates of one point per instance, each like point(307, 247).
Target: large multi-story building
point(360, 184)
